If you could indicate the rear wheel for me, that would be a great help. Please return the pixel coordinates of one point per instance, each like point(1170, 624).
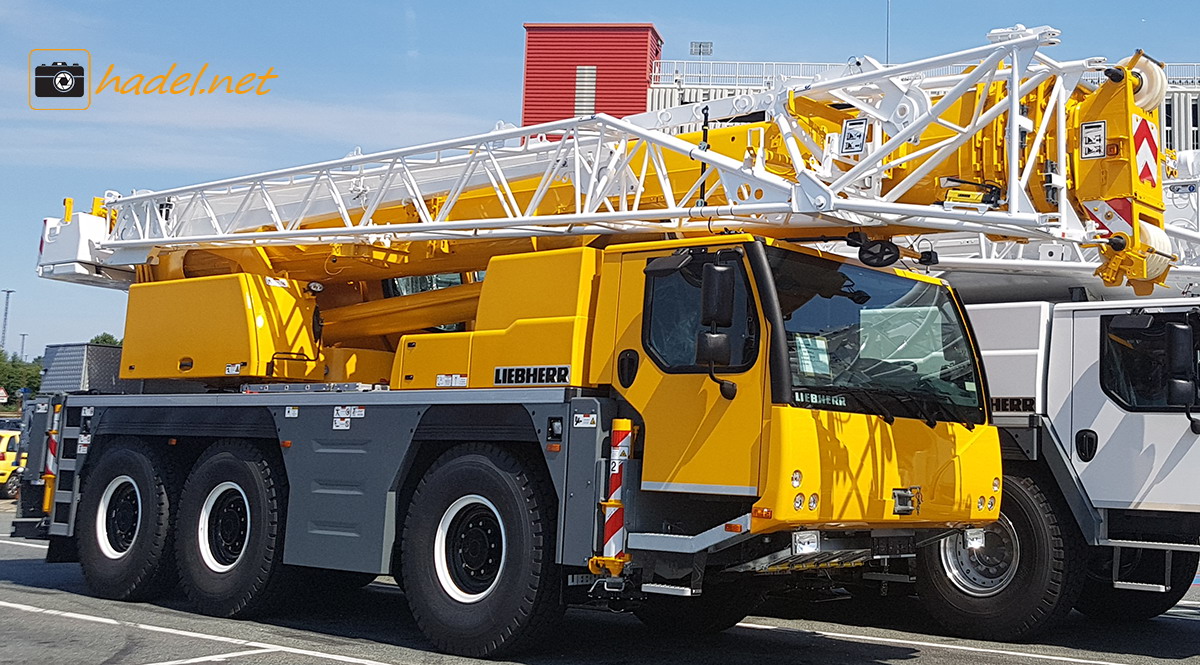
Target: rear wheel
point(125, 523)
point(721, 605)
point(1100, 601)
point(230, 530)
point(12, 485)
point(478, 552)
point(1021, 582)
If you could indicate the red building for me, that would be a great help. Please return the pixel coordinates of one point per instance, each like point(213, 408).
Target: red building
point(574, 69)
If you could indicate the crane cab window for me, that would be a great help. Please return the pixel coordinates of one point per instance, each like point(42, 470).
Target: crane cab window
point(395, 287)
point(1133, 361)
point(671, 321)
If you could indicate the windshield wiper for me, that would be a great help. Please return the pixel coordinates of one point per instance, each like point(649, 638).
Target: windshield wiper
point(945, 408)
point(866, 395)
point(905, 398)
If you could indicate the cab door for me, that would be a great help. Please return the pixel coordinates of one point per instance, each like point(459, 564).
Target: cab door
point(694, 439)
point(1130, 448)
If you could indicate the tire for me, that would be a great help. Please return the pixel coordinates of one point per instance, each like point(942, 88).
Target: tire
point(720, 606)
point(500, 590)
point(1100, 601)
point(12, 485)
point(124, 523)
point(1024, 581)
point(230, 531)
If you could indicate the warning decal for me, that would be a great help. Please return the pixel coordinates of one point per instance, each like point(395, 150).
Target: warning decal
point(854, 136)
point(1092, 137)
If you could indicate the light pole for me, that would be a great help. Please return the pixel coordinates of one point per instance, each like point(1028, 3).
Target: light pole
point(887, 37)
point(4, 327)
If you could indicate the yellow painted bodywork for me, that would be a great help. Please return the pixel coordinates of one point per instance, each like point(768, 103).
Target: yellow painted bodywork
point(239, 325)
point(853, 461)
point(578, 308)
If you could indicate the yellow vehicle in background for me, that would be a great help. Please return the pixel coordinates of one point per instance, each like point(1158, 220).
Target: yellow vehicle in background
point(12, 459)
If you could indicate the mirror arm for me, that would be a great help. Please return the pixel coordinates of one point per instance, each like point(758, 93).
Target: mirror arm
point(1192, 420)
point(729, 388)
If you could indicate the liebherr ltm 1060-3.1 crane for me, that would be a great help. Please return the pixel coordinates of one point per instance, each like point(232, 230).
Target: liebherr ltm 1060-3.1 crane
point(584, 361)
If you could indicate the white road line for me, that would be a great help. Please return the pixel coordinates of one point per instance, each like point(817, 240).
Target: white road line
point(217, 658)
point(200, 636)
point(1172, 615)
point(933, 645)
point(6, 541)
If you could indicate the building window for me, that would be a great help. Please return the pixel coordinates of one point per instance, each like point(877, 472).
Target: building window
point(585, 90)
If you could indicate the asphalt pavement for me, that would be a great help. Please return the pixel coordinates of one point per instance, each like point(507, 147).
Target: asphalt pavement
point(47, 616)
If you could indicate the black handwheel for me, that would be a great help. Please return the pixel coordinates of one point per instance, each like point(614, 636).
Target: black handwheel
point(124, 522)
point(478, 551)
point(230, 530)
point(720, 606)
point(1100, 601)
point(1021, 582)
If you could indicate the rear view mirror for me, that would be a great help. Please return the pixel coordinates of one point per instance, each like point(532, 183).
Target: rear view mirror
point(1181, 365)
point(713, 349)
point(716, 296)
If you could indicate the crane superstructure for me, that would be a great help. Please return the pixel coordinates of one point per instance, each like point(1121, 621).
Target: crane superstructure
point(590, 360)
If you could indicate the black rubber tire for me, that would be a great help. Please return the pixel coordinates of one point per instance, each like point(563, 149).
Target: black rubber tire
point(257, 578)
point(524, 597)
point(1101, 602)
point(721, 606)
point(12, 485)
point(1049, 571)
point(146, 566)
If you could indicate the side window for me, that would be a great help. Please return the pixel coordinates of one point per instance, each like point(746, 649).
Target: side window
point(394, 287)
point(671, 320)
point(1133, 364)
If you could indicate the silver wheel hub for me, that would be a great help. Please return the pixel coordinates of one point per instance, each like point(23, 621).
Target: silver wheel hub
point(985, 571)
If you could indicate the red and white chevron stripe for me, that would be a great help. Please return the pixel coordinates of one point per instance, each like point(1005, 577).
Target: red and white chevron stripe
point(1145, 149)
point(614, 510)
point(51, 455)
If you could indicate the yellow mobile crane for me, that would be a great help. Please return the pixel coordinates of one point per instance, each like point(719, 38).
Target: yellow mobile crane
point(585, 361)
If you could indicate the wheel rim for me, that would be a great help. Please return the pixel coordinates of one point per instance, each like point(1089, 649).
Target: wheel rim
point(224, 527)
point(119, 517)
point(468, 550)
point(985, 571)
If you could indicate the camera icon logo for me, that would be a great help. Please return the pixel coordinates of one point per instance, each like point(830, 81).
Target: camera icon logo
point(58, 79)
point(61, 84)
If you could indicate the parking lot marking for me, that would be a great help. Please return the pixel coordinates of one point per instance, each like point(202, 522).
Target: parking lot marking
point(187, 633)
point(932, 645)
point(216, 658)
point(17, 542)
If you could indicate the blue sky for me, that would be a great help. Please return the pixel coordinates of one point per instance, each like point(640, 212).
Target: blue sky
point(387, 74)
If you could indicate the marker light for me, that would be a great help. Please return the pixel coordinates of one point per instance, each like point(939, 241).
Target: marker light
point(798, 504)
point(797, 478)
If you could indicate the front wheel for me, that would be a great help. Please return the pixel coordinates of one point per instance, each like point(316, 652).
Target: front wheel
point(1100, 601)
point(478, 551)
point(1021, 582)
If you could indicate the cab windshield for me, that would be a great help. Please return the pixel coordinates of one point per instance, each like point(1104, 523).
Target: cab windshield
point(874, 342)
